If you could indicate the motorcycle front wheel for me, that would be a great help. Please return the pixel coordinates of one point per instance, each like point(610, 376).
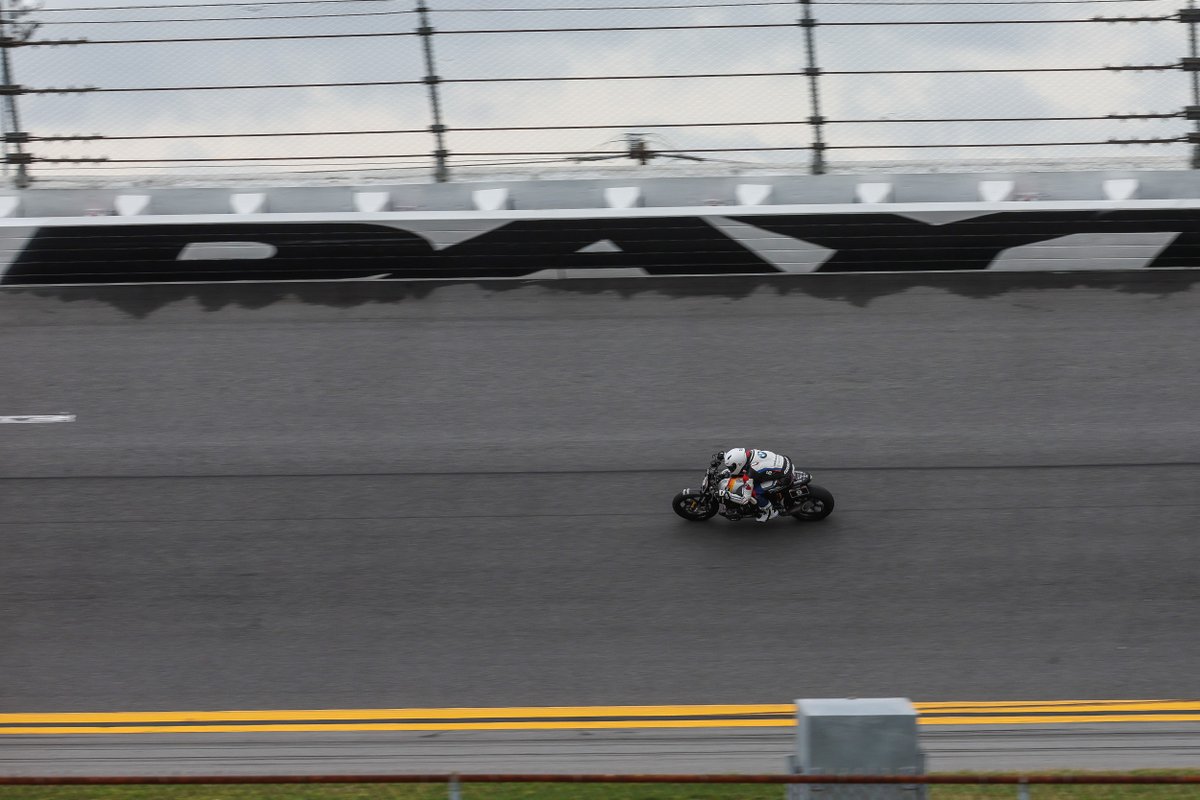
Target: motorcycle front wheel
point(818, 504)
point(694, 506)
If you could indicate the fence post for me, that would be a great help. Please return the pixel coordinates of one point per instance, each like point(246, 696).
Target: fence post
point(441, 173)
point(455, 787)
point(808, 22)
point(1023, 789)
point(14, 153)
point(1194, 52)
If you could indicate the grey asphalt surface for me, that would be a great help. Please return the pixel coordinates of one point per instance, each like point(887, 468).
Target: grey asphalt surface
point(374, 495)
point(1024, 748)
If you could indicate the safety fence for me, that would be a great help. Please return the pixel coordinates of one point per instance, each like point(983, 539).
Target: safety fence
point(818, 787)
point(322, 88)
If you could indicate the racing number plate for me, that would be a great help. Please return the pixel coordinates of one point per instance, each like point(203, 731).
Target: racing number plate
point(799, 491)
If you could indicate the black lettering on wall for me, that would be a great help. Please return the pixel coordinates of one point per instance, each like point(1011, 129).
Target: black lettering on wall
point(139, 253)
point(870, 242)
point(661, 246)
point(658, 245)
point(324, 251)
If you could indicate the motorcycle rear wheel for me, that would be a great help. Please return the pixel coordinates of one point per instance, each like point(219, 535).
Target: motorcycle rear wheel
point(818, 505)
point(693, 506)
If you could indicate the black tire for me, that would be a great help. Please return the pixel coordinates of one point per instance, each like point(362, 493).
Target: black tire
point(693, 506)
point(818, 505)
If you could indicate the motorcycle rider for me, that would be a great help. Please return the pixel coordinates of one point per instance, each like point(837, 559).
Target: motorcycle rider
point(761, 471)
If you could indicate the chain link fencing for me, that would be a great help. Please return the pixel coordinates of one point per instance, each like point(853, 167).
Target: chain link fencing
point(1125, 786)
point(332, 87)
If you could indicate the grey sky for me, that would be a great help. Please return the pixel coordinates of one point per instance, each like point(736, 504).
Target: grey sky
point(630, 105)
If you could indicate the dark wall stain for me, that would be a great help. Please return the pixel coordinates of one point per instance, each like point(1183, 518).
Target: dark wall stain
point(141, 301)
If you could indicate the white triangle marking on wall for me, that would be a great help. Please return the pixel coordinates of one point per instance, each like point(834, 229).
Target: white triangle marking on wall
point(943, 217)
point(601, 246)
point(785, 252)
point(1087, 251)
point(446, 233)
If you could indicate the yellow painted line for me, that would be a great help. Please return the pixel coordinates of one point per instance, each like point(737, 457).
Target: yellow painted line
point(567, 725)
point(1003, 703)
point(577, 717)
point(559, 712)
point(519, 712)
point(1044, 712)
point(1056, 719)
point(537, 725)
point(1059, 706)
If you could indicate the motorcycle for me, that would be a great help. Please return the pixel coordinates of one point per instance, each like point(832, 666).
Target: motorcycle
point(798, 497)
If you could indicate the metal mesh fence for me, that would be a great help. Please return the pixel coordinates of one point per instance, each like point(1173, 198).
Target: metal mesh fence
point(351, 85)
point(596, 787)
point(734, 792)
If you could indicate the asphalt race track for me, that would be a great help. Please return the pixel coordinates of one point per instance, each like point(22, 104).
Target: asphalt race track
point(387, 495)
point(991, 749)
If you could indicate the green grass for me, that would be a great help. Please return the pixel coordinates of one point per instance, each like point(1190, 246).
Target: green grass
point(542, 791)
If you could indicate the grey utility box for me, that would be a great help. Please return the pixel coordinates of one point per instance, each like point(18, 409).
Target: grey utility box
point(870, 736)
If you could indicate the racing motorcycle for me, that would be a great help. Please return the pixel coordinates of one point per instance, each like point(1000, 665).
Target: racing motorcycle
point(799, 497)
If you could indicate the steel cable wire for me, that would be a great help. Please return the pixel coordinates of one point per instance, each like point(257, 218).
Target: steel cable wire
point(601, 8)
point(585, 154)
point(603, 126)
point(581, 78)
point(612, 29)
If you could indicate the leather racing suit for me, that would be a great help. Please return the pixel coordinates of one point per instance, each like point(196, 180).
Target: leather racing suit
point(763, 472)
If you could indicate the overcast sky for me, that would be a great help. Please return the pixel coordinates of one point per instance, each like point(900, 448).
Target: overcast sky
point(627, 105)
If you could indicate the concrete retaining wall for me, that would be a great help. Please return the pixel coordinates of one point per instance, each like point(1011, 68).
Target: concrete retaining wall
point(184, 237)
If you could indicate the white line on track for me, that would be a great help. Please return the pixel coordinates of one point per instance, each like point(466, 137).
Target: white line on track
point(35, 418)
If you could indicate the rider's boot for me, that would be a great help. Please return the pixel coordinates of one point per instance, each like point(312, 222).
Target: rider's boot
point(766, 513)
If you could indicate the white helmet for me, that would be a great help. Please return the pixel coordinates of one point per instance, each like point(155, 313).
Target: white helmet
point(735, 460)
